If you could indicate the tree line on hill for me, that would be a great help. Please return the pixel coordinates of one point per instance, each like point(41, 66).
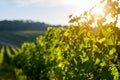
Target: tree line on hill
point(23, 25)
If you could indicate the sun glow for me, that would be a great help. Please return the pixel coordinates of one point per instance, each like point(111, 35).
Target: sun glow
point(86, 5)
point(83, 5)
point(74, 7)
point(110, 19)
point(98, 12)
point(118, 24)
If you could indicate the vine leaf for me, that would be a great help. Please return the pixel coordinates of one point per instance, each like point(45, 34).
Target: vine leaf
point(112, 51)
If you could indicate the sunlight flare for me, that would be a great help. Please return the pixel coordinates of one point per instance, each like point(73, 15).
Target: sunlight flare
point(84, 5)
point(98, 12)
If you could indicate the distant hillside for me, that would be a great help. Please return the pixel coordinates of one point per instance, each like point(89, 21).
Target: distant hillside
point(18, 25)
point(16, 32)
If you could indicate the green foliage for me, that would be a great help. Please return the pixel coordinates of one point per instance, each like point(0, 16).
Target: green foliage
point(74, 53)
point(29, 61)
point(71, 53)
point(1, 55)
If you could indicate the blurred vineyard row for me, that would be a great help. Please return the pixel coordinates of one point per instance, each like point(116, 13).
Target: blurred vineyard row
point(7, 70)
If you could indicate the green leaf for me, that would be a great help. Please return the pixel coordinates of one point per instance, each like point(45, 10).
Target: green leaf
point(102, 40)
point(97, 61)
point(114, 72)
point(1, 55)
point(112, 51)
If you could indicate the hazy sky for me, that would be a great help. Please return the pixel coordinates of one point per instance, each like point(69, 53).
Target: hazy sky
point(48, 11)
